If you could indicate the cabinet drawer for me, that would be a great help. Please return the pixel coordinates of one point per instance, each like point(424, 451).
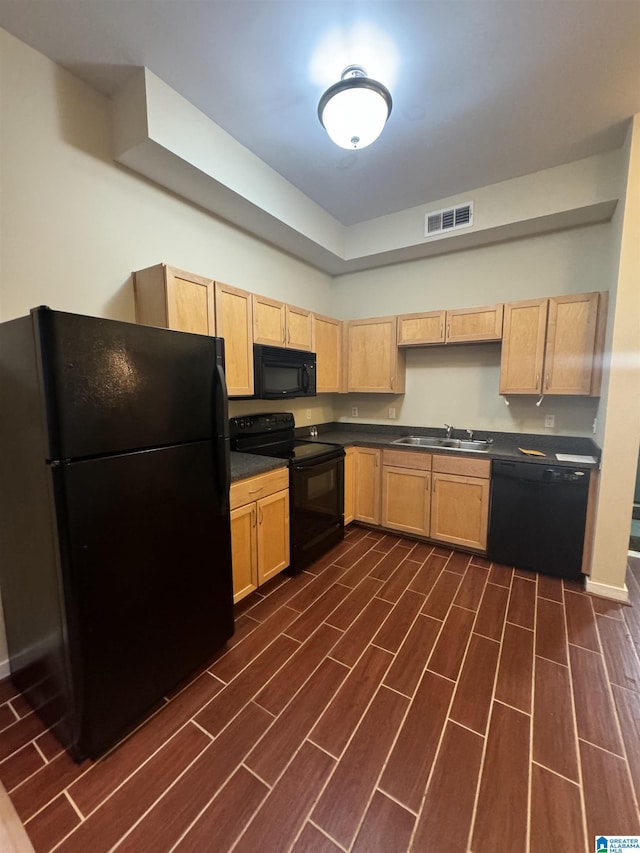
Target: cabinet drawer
point(463, 467)
point(254, 488)
point(403, 459)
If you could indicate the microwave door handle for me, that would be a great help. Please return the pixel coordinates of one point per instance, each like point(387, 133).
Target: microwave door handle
point(305, 378)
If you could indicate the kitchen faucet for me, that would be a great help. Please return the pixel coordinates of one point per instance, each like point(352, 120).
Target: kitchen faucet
point(469, 432)
point(449, 430)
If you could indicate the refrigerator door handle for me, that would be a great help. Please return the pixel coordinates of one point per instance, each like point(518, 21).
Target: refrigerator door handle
point(221, 403)
point(223, 463)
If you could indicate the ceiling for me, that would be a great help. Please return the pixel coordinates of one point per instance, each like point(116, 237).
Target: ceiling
point(482, 91)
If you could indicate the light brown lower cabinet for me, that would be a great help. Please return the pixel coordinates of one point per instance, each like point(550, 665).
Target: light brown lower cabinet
point(259, 530)
point(367, 484)
point(349, 484)
point(460, 501)
point(406, 491)
point(444, 498)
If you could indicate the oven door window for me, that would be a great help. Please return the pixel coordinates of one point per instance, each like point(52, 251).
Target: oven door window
point(318, 495)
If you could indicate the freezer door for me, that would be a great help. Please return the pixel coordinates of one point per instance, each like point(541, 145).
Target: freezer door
point(147, 577)
point(111, 387)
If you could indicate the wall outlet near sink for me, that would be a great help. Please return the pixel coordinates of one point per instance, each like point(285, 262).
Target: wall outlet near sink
point(549, 420)
point(308, 414)
point(354, 411)
point(392, 412)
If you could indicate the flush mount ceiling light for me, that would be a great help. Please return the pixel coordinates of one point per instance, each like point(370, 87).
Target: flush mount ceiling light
point(354, 110)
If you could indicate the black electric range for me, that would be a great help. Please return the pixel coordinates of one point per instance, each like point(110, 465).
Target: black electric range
point(316, 480)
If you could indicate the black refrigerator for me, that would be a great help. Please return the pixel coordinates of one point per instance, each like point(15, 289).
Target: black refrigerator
point(115, 551)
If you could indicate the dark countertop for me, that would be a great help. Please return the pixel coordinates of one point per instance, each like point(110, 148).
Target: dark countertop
point(245, 465)
point(505, 445)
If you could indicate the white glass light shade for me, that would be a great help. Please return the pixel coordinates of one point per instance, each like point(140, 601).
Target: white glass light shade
point(354, 111)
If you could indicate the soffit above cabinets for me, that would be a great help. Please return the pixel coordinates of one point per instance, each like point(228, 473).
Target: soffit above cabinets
point(165, 138)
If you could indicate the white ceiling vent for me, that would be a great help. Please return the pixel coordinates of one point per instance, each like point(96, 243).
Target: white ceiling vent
point(449, 219)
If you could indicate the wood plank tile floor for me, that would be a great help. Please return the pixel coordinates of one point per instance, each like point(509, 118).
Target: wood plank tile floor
point(396, 696)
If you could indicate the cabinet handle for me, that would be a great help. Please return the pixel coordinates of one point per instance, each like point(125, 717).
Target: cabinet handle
point(253, 491)
point(391, 381)
point(261, 515)
point(547, 381)
point(449, 330)
point(537, 379)
point(289, 336)
point(434, 484)
point(442, 331)
point(253, 517)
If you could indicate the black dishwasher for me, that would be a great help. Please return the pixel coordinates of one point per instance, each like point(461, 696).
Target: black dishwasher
point(538, 516)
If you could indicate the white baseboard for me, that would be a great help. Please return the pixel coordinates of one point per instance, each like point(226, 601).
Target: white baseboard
point(604, 590)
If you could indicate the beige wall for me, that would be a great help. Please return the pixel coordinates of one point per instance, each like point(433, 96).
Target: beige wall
point(459, 385)
point(621, 400)
point(74, 224)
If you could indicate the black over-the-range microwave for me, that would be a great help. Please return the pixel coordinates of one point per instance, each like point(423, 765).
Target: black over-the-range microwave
point(281, 373)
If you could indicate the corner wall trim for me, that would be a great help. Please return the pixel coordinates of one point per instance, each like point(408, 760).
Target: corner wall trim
point(5, 670)
point(604, 590)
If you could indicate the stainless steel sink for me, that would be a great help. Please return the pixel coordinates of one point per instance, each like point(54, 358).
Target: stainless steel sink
point(444, 443)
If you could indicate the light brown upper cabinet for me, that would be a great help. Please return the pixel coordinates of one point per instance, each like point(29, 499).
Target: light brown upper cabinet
point(280, 325)
point(374, 363)
point(460, 326)
point(175, 299)
point(421, 329)
point(234, 323)
point(327, 345)
point(471, 325)
point(554, 346)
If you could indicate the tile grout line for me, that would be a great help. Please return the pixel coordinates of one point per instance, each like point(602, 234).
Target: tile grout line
point(436, 753)
point(376, 786)
point(474, 811)
point(155, 802)
point(532, 709)
point(583, 804)
point(74, 806)
point(614, 706)
point(353, 733)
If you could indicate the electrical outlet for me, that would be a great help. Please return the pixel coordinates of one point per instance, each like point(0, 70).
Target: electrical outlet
point(595, 425)
point(354, 411)
point(392, 412)
point(549, 420)
point(308, 414)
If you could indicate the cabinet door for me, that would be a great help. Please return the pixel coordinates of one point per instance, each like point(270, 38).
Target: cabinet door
point(273, 535)
point(406, 499)
point(421, 329)
point(374, 363)
point(175, 299)
point(460, 510)
point(523, 347)
point(298, 325)
point(467, 325)
point(268, 321)
point(244, 551)
point(327, 345)
point(571, 336)
point(234, 323)
point(367, 485)
point(349, 485)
